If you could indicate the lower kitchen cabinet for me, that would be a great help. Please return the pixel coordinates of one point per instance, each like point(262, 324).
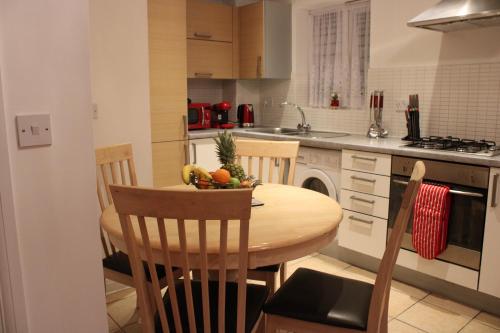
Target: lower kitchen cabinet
point(363, 233)
point(168, 160)
point(489, 279)
point(202, 152)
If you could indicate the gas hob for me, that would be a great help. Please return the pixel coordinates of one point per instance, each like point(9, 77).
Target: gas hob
point(452, 144)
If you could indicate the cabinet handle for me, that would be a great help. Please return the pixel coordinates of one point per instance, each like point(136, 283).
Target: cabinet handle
point(259, 66)
point(494, 191)
point(357, 219)
point(202, 35)
point(373, 181)
point(185, 126)
point(371, 159)
point(362, 200)
point(186, 153)
point(204, 75)
point(193, 145)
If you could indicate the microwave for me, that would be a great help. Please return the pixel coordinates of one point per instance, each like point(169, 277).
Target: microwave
point(199, 115)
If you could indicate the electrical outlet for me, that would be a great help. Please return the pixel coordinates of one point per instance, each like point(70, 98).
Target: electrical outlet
point(401, 105)
point(268, 102)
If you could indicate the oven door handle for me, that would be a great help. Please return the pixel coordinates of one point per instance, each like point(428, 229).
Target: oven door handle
point(457, 192)
point(494, 190)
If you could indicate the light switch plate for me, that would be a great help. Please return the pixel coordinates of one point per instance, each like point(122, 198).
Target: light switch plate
point(33, 130)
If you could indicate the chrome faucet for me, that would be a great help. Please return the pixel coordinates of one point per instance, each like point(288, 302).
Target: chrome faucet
point(303, 126)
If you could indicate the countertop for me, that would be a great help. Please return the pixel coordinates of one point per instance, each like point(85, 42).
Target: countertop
point(393, 146)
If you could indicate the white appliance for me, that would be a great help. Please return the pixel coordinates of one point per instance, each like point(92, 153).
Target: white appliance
point(319, 170)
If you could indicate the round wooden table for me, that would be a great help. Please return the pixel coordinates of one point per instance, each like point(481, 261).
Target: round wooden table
point(292, 223)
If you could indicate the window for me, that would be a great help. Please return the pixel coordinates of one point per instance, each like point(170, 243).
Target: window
point(339, 55)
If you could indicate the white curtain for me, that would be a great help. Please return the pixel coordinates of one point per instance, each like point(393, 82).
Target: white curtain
point(339, 55)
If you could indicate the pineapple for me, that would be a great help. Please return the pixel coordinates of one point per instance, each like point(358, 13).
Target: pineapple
point(226, 154)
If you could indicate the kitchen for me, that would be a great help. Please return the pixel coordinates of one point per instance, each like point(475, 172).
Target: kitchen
point(137, 72)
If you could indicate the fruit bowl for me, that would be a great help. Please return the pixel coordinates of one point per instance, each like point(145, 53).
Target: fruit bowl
point(204, 184)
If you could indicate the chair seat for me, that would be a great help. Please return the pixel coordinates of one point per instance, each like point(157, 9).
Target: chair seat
point(256, 297)
point(322, 298)
point(119, 262)
point(270, 268)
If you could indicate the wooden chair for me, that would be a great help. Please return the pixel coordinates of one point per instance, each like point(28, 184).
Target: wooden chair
point(115, 165)
point(312, 301)
point(279, 153)
point(191, 305)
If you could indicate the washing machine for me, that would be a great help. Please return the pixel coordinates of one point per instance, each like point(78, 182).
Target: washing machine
point(319, 170)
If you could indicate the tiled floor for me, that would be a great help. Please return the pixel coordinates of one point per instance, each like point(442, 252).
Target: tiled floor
point(411, 310)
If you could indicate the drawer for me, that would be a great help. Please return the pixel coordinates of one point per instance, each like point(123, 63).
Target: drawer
point(365, 203)
point(366, 183)
point(363, 233)
point(379, 164)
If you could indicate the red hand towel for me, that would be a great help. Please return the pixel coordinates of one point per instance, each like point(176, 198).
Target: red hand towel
point(430, 220)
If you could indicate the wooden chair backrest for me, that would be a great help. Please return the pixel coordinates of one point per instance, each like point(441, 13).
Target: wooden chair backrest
point(278, 153)
point(381, 291)
point(178, 206)
point(114, 165)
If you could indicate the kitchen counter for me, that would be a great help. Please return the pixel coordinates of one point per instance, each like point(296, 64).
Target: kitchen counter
point(393, 146)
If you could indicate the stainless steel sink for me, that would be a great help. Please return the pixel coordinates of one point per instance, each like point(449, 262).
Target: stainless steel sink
point(297, 133)
point(275, 130)
point(318, 134)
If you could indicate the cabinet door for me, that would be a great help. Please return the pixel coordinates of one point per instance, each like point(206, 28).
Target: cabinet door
point(203, 154)
point(168, 160)
point(251, 30)
point(489, 280)
point(209, 20)
point(208, 59)
point(167, 69)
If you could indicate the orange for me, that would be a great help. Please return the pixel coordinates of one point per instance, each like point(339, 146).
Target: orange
point(221, 176)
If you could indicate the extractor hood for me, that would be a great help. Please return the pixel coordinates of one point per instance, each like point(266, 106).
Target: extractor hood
point(451, 15)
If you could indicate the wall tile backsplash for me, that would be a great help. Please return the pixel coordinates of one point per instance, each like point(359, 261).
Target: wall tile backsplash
point(460, 100)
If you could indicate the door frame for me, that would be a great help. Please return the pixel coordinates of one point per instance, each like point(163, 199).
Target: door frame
point(11, 283)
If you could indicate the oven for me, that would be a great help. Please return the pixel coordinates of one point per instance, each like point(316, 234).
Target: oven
point(469, 191)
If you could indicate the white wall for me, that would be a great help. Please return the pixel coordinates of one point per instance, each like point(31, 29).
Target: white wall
point(393, 44)
point(44, 58)
point(120, 78)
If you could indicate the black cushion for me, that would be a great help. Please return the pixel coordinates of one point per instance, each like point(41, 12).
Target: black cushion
point(119, 262)
point(256, 297)
point(322, 298)
point(270, 268)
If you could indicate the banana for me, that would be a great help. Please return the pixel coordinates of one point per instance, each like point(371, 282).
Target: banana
point(186, 173)
point(202, 173)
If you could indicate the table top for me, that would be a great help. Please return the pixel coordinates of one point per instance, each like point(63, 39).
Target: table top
point(292, 223)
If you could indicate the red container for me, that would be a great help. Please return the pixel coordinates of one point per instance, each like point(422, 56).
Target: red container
point(199, 115)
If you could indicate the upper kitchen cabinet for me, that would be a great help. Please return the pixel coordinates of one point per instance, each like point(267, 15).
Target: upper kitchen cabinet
point(212, 40)
point(265, 40)
point(167, 69)
point(209, 20)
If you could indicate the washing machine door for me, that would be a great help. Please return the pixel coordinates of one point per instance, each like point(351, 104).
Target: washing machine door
point(317, 180)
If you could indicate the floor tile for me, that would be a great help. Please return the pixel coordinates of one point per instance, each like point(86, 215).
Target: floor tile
point(396, 326)
point(113, 327)
point(124, 312)
point(451, 305)
point(112, 286)
point(400, 302)
point(489, 320)
point(134, 328)
point(358, 274)
point(119, 295)
point(320, 263)
point(296, 261)
point(408, 290)
point(475, 326)
point(433, 318)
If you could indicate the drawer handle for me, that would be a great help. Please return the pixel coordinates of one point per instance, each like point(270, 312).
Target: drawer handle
point(202, 35)
point(363, 179)
point(494, 191)
point(371, 159)
point(357, 219)
point(362, 200)
point(205, 75)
